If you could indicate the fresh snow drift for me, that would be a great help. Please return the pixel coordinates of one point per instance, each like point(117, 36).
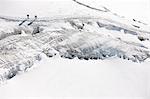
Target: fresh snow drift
point(74, 30)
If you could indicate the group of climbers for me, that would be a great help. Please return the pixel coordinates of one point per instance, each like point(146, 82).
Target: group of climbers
point(35, 18)
point(36, 29)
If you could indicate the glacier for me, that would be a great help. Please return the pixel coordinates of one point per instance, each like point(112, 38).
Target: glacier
point(86, 33)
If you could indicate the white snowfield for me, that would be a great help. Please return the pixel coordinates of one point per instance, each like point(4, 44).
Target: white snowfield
point(87, 33)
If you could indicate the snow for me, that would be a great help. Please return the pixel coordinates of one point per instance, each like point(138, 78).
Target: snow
point(42, 8)
point(80, 51)
point(57, 77)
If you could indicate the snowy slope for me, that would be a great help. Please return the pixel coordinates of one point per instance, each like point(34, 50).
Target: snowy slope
point(76, 29)
point(57, 78)
point(85, 32)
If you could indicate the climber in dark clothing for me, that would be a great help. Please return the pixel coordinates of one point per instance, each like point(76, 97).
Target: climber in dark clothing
point(36, 29)
point(27, 16)
point(35, 17)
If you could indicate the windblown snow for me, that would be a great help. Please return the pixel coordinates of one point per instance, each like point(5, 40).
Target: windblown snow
point(85, 32)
